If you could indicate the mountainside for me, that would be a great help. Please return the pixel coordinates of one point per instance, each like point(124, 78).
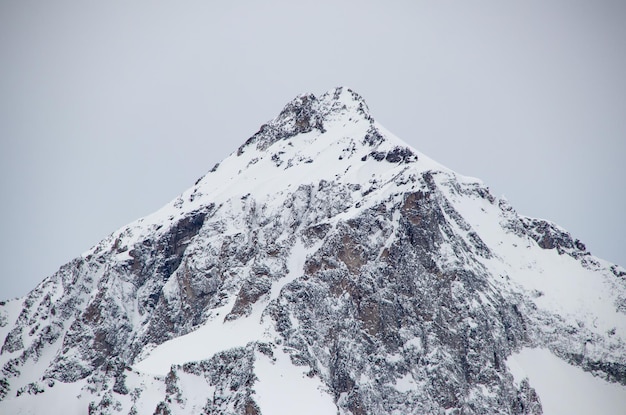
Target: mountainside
point(324, 267)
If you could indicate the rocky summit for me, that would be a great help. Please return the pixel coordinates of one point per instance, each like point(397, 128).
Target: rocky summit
point(325, 267)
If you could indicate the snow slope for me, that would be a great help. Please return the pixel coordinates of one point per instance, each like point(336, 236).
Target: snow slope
point(565, 389)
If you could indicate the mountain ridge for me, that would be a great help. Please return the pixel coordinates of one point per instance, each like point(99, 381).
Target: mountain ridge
point(325, 243)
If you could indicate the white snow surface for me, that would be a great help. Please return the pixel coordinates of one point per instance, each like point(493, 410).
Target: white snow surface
point(215, 336)
point(284, 389)
point(565, 389)
point(74, 398)
point(62, 399)
point(196, 393)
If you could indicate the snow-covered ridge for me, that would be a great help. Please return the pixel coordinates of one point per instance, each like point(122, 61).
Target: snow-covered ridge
point(331, 138)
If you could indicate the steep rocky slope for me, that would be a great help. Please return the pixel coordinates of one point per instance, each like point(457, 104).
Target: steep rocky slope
point(325, 265)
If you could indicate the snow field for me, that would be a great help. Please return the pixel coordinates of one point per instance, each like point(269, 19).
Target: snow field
point(565, 389)
point(284, 389)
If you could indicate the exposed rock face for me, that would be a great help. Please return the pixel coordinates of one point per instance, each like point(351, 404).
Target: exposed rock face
point(395, 284)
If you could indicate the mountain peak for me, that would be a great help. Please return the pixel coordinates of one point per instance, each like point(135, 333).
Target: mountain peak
point(329, 258)
point(307, 112)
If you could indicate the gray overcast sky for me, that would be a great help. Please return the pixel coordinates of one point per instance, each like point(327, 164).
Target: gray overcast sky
point(108, 110)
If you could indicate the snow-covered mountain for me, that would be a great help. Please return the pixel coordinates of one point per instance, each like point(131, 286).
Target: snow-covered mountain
point(324, 267)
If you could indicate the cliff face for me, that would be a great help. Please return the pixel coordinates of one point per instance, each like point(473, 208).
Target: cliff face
point(326, 263)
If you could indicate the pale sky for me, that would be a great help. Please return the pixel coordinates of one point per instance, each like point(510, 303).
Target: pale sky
point(108, 110)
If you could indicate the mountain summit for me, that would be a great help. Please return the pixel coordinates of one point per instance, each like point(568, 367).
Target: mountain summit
point(325, 267)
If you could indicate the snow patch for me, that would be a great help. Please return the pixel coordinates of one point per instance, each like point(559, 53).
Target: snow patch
point(565, 389)
point(295, 265)
point(405, 384)
point(215, 336)
point(284, 389)
point(62, 399)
